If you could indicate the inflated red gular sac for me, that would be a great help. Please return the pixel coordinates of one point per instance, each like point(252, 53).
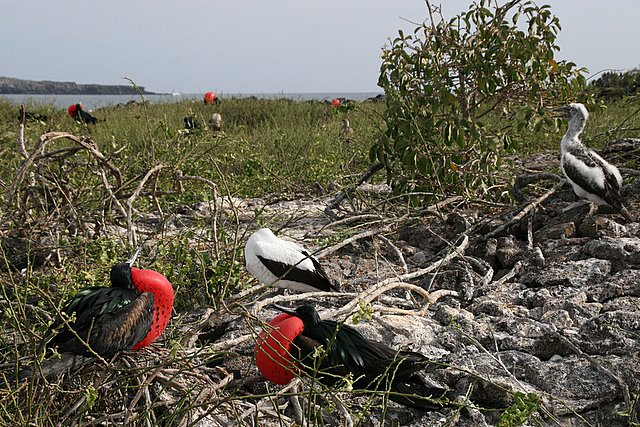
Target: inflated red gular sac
point(273, 349)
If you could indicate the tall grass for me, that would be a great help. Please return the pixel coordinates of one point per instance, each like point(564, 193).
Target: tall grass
point(266, 146)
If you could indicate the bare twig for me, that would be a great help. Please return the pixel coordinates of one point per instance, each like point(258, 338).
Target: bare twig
point(526, 210)
point(396, 251)
point(331, 249)
point(21, 147)
point(333, 204)
point(131, 229)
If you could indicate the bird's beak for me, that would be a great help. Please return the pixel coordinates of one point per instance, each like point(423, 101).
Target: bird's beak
point(284, 309)
point(132, 260)
point(561, 111)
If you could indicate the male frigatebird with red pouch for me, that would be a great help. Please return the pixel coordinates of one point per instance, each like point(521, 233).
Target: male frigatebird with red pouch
point(287, 348)
point(130, 314)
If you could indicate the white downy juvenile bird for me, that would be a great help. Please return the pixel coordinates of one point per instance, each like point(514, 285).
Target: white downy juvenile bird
point(592, 177)
point(277, 262)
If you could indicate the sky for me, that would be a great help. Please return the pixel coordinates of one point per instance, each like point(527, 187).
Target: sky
point(259, 46)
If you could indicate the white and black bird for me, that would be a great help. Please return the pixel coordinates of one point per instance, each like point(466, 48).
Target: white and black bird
point(346, 131)
point(592, 177)
point(277, 262)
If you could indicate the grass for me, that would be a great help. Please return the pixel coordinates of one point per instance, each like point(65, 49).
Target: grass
point(69, 232)
point(267, 146)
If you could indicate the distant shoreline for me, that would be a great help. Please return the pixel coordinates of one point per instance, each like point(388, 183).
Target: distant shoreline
point(13, 86)
point(99, 101)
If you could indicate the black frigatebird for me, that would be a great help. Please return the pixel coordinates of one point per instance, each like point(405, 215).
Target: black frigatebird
point(292, 344)
point(130, 314)
point(76, 111)
point(592, 177)
point(277, 262)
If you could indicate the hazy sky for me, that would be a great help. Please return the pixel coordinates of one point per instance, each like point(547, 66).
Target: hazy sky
point(248, 46)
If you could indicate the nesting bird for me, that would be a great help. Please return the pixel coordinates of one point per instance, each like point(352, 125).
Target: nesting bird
point(346, 131)
point(277, 262)
point(592, 177)
point(190, 123)
point(290, 345)
point(130, 314)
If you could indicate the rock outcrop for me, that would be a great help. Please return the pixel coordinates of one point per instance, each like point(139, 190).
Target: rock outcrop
point(11, 86)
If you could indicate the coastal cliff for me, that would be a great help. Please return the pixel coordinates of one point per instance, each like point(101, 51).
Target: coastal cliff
point(11, 86)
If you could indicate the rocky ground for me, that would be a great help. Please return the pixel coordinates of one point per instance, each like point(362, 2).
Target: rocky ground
point(546, 302)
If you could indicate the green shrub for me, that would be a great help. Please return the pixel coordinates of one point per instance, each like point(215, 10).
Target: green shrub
point(459, 92)
point(615, 85)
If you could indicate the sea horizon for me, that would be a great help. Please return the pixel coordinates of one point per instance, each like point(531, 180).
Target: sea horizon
point(100, 101)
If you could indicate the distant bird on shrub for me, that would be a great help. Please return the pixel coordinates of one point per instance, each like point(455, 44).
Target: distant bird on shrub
point(80, 115)
point(216, 122)
point(130, 314)
point(592, 177)
point(277, 262)
point(191, 123)
point(290, 346)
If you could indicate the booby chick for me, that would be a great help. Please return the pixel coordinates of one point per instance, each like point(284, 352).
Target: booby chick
point(277, 262)
point(592, 177)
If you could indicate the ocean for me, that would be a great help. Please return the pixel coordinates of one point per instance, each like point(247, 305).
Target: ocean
point(92, 102)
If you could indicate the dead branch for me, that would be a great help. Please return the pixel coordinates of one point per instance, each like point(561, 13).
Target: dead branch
point(21, 147)
point(112, 196)
point(436, 209)
point(266, 400)
point(525, 180)
point(355, 218)
point(130, 225)
point(526, 210)
point(214, 215)
point(258, 306)
point(91, 146)
point(331, 249)
point(333, 204)
point(396, 251)
point(38, 153)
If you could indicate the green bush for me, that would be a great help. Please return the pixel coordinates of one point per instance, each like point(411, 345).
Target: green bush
point(460, 91)
point(614, 85)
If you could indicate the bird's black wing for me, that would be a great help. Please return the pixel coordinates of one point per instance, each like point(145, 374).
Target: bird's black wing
point(381, 357)
point(349, 347)
point(610, 192)
point(372, 365)
point(575, 174)
point(316, 278)
point(108, 319)
point(86, 117)
point(320, 271)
